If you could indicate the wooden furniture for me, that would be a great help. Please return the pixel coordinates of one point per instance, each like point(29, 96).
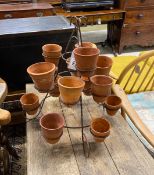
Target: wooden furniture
point(137, 28)
point(5, 118)
point(3, 90)
point(121, 153)
point(93, 17)
point(25, 10)
point(21, 42)
point(142, 80)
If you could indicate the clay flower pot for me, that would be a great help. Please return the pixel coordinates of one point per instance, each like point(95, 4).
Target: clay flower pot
point(86, 58)
point(42, 75)
point(52, 50)
point(100, 129)
point(104, 65)
point(112, 104)
point(52, 127)
point(85, 73)
point(54, 60)
point(87, 82)
point(101, 86)
point(55, 91)
point(86, 44)
point(30, 103)
point(70, 88)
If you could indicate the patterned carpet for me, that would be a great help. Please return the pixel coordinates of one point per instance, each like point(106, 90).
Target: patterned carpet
point(17, 137)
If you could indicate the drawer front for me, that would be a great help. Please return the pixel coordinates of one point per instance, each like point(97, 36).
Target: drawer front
point(24, 14)
point(139, 16)
point(98, 19)
point(133, 3)
point(139, 35)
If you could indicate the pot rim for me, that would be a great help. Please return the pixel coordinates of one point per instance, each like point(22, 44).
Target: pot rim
point(49, 57)
point(98, 67)
point(37, 100)
point(97, 131)
point(68, 87)
point(109, 58)
point(113, 106)
point(98, 51)
point(58, 50)
point(93, 45)
point(38, 74)
point(60, 115)
point(105, 76)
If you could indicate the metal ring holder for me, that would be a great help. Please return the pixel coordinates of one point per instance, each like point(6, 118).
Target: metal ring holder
point(85, 143)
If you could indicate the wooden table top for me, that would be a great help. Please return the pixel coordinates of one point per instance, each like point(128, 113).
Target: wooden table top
point(121, 154)
point(34, 25)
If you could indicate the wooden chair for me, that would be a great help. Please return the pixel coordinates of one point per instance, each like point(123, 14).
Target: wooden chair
point(6, 148)
point(138, 76)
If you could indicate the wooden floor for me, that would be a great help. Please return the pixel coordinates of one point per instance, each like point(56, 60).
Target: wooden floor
point(121, 153)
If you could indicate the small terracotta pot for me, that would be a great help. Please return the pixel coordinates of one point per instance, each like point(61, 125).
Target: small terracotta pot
point(52, 127)
point(100, 129)
point(87, 82)
point(86, 58)
point(104, 65)
point(86, 44)
point(55, 92)
point(52, 50)
point(30, 103)
point(101, 85)
point(54, 60)
point(42, 75)
point(112, 104)
point(70, 88)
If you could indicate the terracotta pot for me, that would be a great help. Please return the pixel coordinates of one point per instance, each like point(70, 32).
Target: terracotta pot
point(86, 44)
point(104, 65)
point(52, 127)
point(99, 99)
point(100, 129)
point(54, 60)
point(55, 92)
point(85, 73)
point(87, 82)
point(42, 75)
point(30, 103)
point(52, 50)
point(86, 58)
point(101, 85)
point(70, 88)
point(112, 104)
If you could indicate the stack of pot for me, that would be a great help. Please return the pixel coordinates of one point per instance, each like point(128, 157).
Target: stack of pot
point(86, 56)
point(101, 82)
point(104, 65)
point(42, 74)
point(52, 53)
point(86, 60)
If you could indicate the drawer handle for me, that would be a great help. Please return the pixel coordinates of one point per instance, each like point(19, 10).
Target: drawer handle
point(138, 32)
point(7, 16)
point(139, 16)
point(39, 14)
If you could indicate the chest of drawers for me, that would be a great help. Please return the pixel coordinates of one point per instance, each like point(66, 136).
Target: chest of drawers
point(23, 10)
point(137, 27)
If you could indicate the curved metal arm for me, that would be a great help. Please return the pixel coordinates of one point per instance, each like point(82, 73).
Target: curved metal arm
point(63, 55)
